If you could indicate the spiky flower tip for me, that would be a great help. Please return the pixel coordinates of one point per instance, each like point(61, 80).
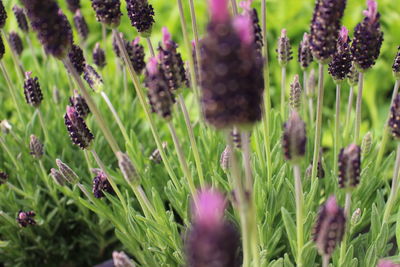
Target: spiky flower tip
point(128, 170)
point(32, 91)
point(387, 263)
point(295, 93)
point(236, 138)
point(225, 158)
point(253, 15)
point(120, 259)
point(353, 75)
point(80, 105)
point(368, 38)
point(136, 55)
point(57, 176)
point(305, 56)
point(212, 240)
point(160, 97)
point(156, 155)
point(141, 14)
point(78, 131)
point(341, 63)
point(21, 18)
point(93, 79)
point(16, 43)
point(77, 58)
point(81, 25)
point(3, 177)
point(25, 218)
point(294, 138)
point(231, 71)
point(101, 184)
point(36, 147)
point(99, 56)
point(51, 25)
point(171, 62)
point(73, 5)
point(329, 227)
point(108, 12)
point(349, 166)
point(396, 65)
point(69, 175)
point(3, 15)
point(284, 50)
point(366, 144)
point(394, 121)
point(325, 26)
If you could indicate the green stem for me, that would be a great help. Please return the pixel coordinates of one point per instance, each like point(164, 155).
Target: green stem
point(140, 94)
point(336, 140)
point(93, 108)
point(386, 131)
point(325, 260)
point(19, 191)
point(104, 35)
point(196, 37)
point(267, 97)
point(192, 140)
point(343, 246)
point(13, 159)
point(150, 47)
point(234, 7)
point(349, 110)
point(182, 159)
point(35, 60)
point(358, 108)
point(304, 104)
point(318, 122)
point(394, 189)
point(299, 213)
point(43, 125)
point(11, 90)
point(18, 67)
point(283, 93)
point(144, 202)
point(90, 167)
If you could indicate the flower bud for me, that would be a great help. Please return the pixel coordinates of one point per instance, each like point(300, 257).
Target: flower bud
point(93, 79)
point(77, 58)
point(78, 131)
point(366, 144)
point(36, 147)
point(294, 138)
point(21, 18)
point(16, 43)
point(101, 185)
point(136, 55)
point(73, 5)
point(3, 15)
point(108, 12)
point(396, 65)
point(32, 91)
point(128, 170)
point(26, 218)
point(5, 126)
point(80, 105)
point(99, 56)
point(394, 120)
point(355, 218)
point(295, 94)
point(81, 25)
point(225, 158)
point(349, 166)
point(341, 63)
point(284, 49)
point(305, 56)
point(141, 14)
point(69, 175)
point(57, 177)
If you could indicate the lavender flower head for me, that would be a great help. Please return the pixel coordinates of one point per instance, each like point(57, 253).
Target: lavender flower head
point(295, 94)
point(93, 79)
point(325, 26)
point(284, 49)
point(394, 120)
point(368, 38)
point(294, 138)
point(16, 42)
point(211, 241)
point(73, 5)
point(136, 55)
point(25, 218)
point(80, 105)
point(77, 59)
point(99, 56)
point(305, 56)
point(32, 91)
point(232, 82)
point(329, 227)
point(396, 65)
point(160, 97)
point(3, 15)
point(349, 166)
point(78, 131)
point(36, 147)
point(101, 184)
point(81, 25)
point(171, 62)
point(341, 63)
point(51, 25)
point(21, 18)
point(141, 14)
point(108, 12)
point(253, 15)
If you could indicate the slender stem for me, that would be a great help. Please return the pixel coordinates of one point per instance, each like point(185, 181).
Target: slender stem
point(43, 125)
point(12, 90)
point(193, 78)
point(144, 202)
point(89, 164)
point(318, 122)
point(182, 159)
point(13, 159)
point(117, 118)
point(143, 102)
point(50, 188)
point(110, 179)
point(150, 46)
point(242, 202)
point(349, 109)
point(347, 204)
point(394, 189)
point(325, 260)
point(196, 37)
point(343, 246)
point(358, 108)
point(247, 161)
point(192, 140)
point(96, 112)
point(304, 105)
point(386, 131)
point(267, 98)
point(283, 93)
point(104, 35)
point(336, 140)
point(234, 7)
point(35, 60)
point(299, 213)
point(18, 67)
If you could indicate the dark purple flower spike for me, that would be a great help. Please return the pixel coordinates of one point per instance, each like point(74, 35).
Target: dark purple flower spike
point(141, 14)
point(32, 91)
point(349, 166)
point(108, 12)
point(78, 131)
point(25, 218)
point(81, 25)
point(341, 63)
point(21, 18)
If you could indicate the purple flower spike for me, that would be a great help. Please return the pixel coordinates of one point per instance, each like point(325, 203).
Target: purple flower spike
point(26, 218)
point(387, 263)
point(219, 11)
point(78, 131)
point(341, 63)
point(208, 208)
point(243, 28)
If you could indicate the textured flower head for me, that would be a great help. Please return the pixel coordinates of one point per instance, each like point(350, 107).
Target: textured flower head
point(25, 218)
point(81, 25)
point(32, 91)
point(99, 56)
point(3, 15)
point(349, 166)
point(294, 138)
point(141, 14)
point(78, 131)
point(305, 56)
point(284, 49)
point(21, 18)
point(394, 121)
point(341, 64)
point(396, 65)
point(108, 12)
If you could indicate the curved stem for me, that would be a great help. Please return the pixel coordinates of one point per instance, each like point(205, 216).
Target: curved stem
point(358, 108)
point(318, 122)
point(343, 246)
point(394, 189)
point(283, 93)
point(196, 37)
point(299, 213)
point(150, 46)
point(96, 112)
point(182, 159)
point(43, 125)
point(192, 140)
point(336, 141)
point(143, 102)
